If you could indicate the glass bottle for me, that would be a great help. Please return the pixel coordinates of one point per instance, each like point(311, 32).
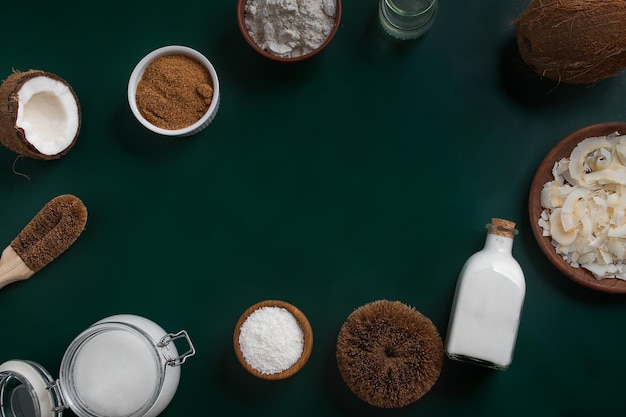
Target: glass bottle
point(407, 19)
point(488, 302)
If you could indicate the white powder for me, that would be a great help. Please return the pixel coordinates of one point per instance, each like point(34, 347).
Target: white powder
point(290, 28)
point(115, 373)
point(271, 340)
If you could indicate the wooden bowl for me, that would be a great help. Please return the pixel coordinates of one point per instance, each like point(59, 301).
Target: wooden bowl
point(306, 330)
point(563, 149)
point(241, 6)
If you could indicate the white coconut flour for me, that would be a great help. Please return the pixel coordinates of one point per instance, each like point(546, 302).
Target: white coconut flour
point(290, 28)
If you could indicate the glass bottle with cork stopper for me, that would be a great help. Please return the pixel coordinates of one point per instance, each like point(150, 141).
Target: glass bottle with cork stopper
point(488, 302)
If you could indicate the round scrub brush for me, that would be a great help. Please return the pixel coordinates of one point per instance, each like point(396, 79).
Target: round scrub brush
point(389, 354)
point(57, 225)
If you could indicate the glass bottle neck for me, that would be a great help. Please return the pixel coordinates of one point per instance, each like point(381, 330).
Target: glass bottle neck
point(498, 243)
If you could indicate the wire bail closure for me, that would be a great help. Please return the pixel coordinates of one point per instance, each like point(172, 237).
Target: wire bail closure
point(169, 338)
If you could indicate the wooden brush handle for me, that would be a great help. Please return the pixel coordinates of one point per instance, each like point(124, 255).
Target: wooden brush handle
point(12, 267)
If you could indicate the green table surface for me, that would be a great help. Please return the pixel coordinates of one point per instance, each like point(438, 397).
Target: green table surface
point(366, 173)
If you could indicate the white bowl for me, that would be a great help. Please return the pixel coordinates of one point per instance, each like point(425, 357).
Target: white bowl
point(135, 76)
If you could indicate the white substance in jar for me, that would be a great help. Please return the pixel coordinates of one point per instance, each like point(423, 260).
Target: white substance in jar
point(290, 28)
point(271, 340)
point(115, 373)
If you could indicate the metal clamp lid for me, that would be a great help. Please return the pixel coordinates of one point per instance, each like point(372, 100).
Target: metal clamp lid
point(28, 390)
point(169, 338)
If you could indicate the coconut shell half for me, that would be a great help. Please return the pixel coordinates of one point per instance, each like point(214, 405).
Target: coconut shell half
point(40, 115)
point(573, 41)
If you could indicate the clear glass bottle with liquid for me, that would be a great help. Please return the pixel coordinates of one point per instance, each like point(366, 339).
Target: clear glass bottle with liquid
point(488, 302)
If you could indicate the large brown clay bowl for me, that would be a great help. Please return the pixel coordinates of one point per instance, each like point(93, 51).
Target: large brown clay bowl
point(563, 149)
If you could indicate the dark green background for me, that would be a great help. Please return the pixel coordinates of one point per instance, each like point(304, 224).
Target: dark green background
point(366, 173)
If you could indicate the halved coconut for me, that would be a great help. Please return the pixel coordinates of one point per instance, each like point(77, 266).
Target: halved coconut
point(41, 118)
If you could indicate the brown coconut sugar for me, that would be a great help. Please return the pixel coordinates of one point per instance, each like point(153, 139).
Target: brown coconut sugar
point(174, 92)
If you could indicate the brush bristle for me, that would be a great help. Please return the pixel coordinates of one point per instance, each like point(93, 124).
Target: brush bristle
point(57, 225)
point(389, 354)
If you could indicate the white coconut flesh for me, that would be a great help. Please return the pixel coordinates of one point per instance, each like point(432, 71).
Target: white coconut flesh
point(48, 114)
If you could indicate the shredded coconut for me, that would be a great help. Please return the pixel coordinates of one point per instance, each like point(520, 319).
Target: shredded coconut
point(290, 28)
point(271, 340)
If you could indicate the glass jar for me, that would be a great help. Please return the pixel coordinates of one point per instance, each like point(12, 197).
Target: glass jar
point(407, 19)
point(121, 366)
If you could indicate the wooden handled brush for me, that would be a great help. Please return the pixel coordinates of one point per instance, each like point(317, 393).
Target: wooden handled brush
point(57, 225)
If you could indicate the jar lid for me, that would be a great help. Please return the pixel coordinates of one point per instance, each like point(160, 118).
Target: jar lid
point(28, 390)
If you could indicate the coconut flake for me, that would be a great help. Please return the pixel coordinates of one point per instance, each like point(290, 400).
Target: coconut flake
point(585, 207)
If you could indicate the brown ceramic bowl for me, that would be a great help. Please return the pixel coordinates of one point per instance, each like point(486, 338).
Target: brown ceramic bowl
point(563, 149)
point(306, 330)
point(241, 5)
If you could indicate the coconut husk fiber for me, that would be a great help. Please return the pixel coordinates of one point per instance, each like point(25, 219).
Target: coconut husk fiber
point(51, 232)
point(13, 136)
point(573, 41)
point(389, 354)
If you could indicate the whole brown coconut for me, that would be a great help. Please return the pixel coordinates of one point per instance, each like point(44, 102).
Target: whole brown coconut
point(573, 41)
point(389, 354)
point(39, 115)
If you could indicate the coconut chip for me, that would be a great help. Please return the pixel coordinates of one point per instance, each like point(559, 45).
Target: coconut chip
point(585, 206)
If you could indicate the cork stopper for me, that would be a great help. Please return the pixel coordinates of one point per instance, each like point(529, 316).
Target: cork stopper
point(502, 227)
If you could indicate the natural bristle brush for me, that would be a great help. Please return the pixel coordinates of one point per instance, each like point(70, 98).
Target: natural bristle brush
point(57, 225)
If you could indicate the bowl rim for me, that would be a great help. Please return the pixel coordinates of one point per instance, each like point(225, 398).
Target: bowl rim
point(306, 330)
point(241, 4)
point(138, 71)
point(544, 174)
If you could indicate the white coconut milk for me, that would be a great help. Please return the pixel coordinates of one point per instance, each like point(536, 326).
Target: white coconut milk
point(487, 304)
